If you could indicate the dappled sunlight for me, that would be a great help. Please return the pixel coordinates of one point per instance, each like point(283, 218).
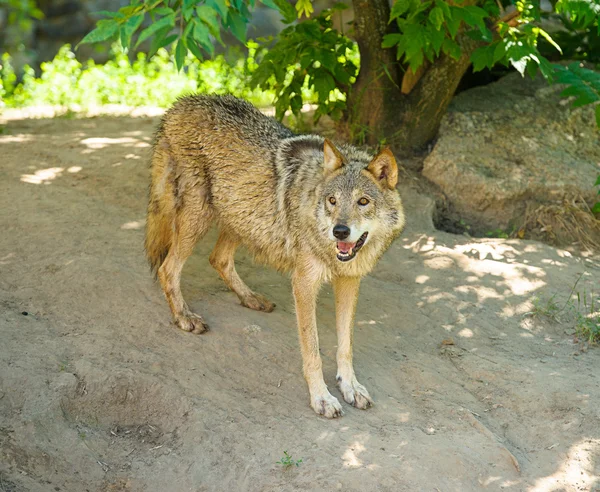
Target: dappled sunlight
point(481, 292)
point(422, 244)
point(350, 457)
point(15, 138)
point(421, 279)
point(436, 297)
point(5, 260)
point(522, 309)
point(42, 176)
point(96, 143)
point(490, 481)
point(465, 333)
point(520, 279)
point(133, 225)
point(577, 470)
point(439, 263)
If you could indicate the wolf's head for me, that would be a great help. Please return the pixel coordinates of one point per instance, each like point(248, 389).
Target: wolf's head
point(359, 204)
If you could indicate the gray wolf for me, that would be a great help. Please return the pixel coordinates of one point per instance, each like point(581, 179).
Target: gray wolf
point(299, 203)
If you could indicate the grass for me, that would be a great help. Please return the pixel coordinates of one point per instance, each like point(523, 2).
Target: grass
point(288, 461)
point(584, 313)
point(587, 317)
point(547, 308)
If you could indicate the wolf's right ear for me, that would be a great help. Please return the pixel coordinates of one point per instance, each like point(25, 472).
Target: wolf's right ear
point(332, 157)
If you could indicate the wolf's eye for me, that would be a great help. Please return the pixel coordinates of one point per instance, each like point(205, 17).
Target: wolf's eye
point(332, 200)
point(363, 201)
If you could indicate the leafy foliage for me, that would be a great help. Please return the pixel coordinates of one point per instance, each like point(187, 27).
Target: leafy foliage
point(580, 37)
point(193, 26)
point(584, 85)
point(21, 12)
point(66, 82)
point(312, 55)
point(430, 28)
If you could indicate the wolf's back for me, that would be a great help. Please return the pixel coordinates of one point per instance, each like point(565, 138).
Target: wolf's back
point(219, 148)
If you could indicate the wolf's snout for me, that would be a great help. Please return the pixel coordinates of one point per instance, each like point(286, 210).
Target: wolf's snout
point(341, 231)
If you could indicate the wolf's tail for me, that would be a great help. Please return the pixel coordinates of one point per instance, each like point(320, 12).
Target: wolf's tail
point(160, 220)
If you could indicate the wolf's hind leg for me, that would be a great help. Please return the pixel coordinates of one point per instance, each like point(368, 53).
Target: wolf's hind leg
point(222, 259)
point(192, 221)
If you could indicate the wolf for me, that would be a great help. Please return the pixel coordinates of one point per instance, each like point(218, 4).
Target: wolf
point(299, 203)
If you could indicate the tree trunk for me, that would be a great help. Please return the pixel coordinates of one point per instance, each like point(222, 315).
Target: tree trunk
point(378, 110)
point(376, 92)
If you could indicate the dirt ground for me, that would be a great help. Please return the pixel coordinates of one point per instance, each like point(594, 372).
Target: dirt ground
point(100, 392)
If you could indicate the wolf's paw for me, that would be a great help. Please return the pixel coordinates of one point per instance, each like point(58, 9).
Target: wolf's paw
point(258, 303)
point(192, 323)
point(355, 394)
point(327, 405)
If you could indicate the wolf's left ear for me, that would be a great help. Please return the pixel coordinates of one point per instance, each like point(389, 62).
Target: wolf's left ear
point(332, 157)
point(384, 168)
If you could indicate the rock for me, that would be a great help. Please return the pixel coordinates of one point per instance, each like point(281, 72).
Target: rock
point(511, 145)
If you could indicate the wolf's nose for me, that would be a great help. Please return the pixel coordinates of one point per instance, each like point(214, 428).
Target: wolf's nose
point(341, 231)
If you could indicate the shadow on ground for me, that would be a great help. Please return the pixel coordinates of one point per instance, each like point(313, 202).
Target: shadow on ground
point(98, 390)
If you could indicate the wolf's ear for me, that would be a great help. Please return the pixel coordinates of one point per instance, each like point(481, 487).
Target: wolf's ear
point(332, 157)
point(384, 168)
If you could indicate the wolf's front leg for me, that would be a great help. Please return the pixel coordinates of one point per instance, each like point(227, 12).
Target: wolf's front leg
point(305, 284)
point(346, 297)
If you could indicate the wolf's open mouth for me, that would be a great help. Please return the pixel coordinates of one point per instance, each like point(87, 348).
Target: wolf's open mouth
point(347, 251)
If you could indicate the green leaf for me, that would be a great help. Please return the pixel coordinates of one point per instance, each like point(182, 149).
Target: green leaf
point(596, 208)
point(237, 24)
point(483, 57)
point(598, 125)
point(445, 8)
point(390, 40)
point(546, 68)
point(304, 7)
point(474, 16)
point(597, 183)
point(168, 21)
point(129, 27)
point(548, 38)
point(104, 30)
point(163, 11)
point(220, 6)
point(437, 39)
point(209, 17)
point(160, 41)
point(201, 35)
point(499, 51)
point(453, 22)
point(436, 17)
point(400, 7)
point(286, 10)
point(180, 52)
point(296, 104)
point(451, 48)
point(324, 84)
point(194, 48)
point(105, 13)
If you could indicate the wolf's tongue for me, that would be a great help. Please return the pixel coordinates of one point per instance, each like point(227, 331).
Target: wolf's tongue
point(345, 247)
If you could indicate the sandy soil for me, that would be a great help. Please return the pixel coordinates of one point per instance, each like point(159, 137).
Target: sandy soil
point(99, 391)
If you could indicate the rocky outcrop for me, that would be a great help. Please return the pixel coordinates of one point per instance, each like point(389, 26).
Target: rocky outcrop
point(513, 145)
